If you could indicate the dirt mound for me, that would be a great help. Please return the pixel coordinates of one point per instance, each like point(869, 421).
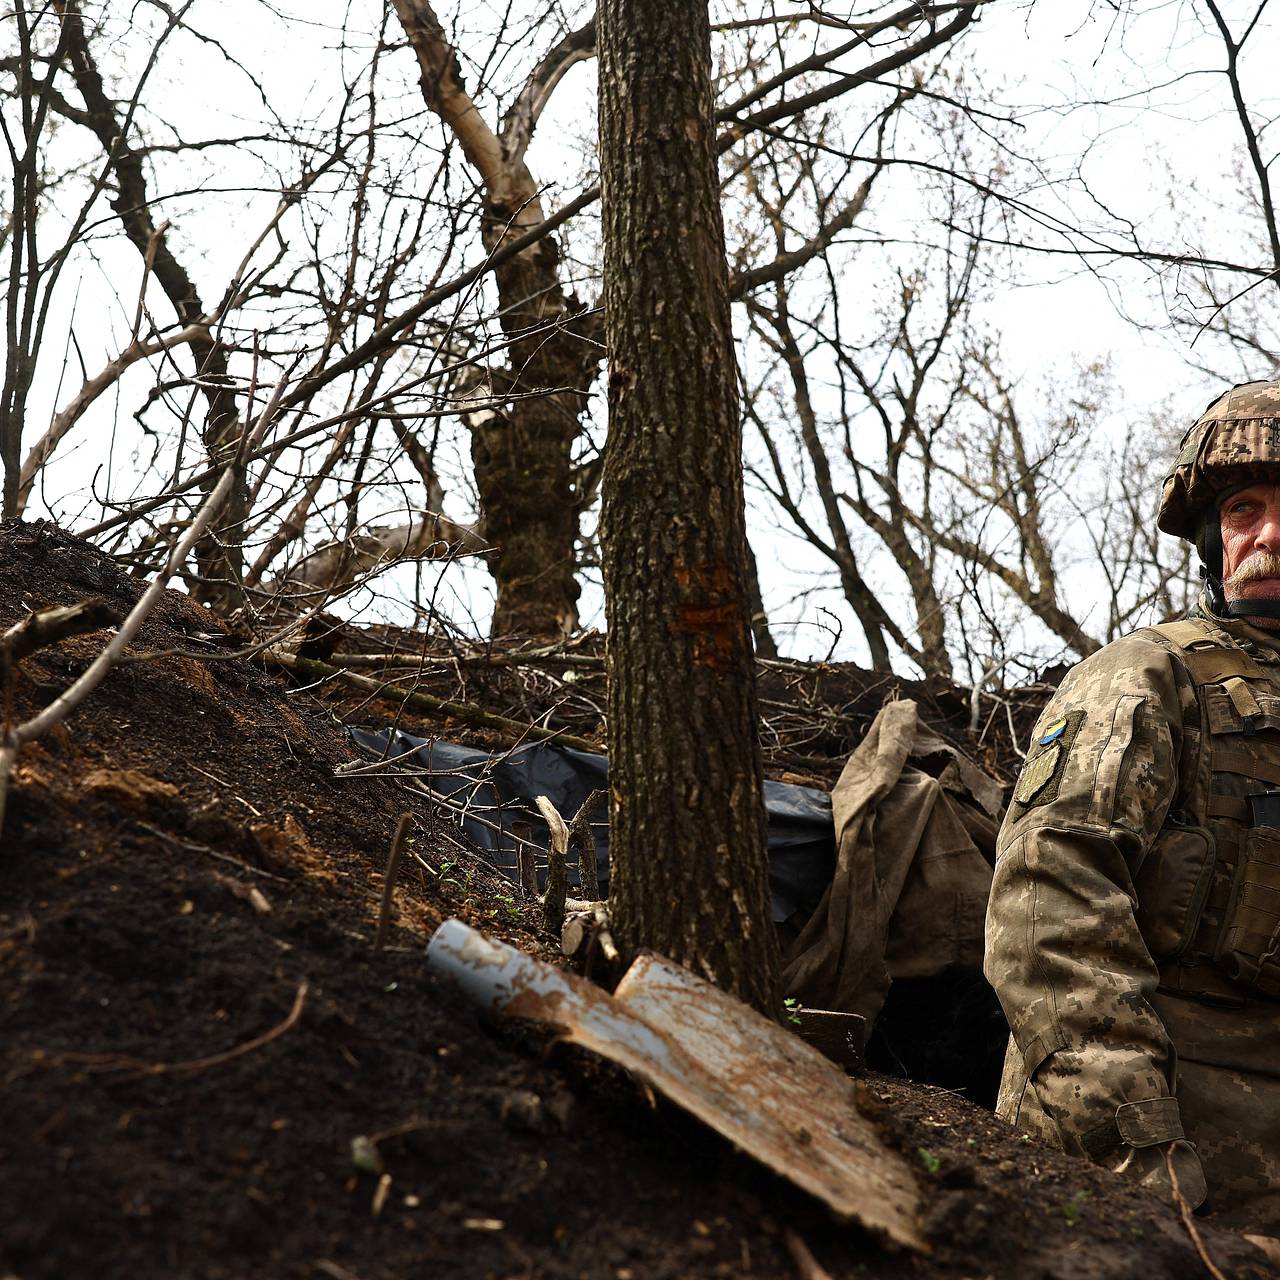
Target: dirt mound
point(195, 1032)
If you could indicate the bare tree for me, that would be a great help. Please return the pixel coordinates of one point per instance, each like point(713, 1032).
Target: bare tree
point(917, 438)
point(851, 402)
point(530, 492)
point(449, 358)
point(220, 559)
point(299, 282)
point(523, 452)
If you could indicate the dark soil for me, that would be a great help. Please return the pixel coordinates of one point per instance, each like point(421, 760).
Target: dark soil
point(180, 868)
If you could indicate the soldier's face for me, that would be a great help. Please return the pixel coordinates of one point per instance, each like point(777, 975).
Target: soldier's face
point(1251, 546)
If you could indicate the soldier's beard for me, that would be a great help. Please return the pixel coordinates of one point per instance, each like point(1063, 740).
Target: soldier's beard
point(1261, 567)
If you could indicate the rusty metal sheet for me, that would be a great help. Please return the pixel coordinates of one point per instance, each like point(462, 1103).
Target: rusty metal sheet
point(765, 1090)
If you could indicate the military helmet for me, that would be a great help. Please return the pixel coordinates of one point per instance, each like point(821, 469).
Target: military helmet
point(1235, 442)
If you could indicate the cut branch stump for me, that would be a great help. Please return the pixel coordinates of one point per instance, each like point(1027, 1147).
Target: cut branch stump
point(557, 892)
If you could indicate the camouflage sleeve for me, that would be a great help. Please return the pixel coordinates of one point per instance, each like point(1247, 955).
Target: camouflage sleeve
point(1063, 951)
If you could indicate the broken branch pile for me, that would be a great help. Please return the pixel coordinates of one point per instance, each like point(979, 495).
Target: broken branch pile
point(812, 714)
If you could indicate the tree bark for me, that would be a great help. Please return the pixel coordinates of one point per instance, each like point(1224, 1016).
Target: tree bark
point(522, 455)
point(687, 824)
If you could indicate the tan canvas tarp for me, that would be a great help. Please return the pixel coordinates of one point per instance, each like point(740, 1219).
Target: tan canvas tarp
point(909, 893)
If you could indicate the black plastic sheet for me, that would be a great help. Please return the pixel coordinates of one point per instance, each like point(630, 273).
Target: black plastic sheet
point(487, 792)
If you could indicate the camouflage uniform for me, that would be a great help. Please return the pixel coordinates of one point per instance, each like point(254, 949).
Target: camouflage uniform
point(1133, 933)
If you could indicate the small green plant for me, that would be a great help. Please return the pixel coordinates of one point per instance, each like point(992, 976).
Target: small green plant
point(507, 908)
point(445, 874)
point(1072, 1208)
point(792, 1006)
point(929, 1160)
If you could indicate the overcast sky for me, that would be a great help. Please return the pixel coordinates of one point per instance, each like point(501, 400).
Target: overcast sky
point(1159, 123)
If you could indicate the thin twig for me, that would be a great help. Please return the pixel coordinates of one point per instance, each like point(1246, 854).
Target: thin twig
point(414, 783)
point(313, 670)
point(1184, 1211)
point(808, 1266)
point(389, 879)
point(194, 846)
point(99, 1062)
point(101, 666)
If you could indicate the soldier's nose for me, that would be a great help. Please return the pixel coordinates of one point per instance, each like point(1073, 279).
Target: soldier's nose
point(1267, 535)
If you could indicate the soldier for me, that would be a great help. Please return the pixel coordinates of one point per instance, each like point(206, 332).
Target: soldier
point(1133, 934)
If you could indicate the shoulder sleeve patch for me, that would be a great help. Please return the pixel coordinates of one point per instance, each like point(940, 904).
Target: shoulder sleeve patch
point(1044, 765)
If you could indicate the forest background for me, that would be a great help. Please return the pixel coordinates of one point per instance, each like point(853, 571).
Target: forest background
point(987, 261)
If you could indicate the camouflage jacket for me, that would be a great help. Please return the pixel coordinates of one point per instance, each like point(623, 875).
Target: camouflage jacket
point(1135, 907)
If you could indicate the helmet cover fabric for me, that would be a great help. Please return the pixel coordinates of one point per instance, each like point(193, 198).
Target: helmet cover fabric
point(1234, 443)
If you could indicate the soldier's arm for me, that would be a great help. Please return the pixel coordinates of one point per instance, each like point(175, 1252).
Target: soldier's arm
point(1063, 950)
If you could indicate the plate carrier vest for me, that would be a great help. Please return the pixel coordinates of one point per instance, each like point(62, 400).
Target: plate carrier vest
point(1208, 891)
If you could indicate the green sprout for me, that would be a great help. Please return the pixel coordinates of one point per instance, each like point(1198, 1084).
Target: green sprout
point(1071, 1208)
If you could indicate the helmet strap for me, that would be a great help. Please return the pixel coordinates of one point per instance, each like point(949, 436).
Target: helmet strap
point(1210, 544)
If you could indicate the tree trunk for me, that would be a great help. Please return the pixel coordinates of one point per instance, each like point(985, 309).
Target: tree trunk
point(522, 455)
point(220, 556)
point(687, 823)
point(862, 600)
point(766, 646)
